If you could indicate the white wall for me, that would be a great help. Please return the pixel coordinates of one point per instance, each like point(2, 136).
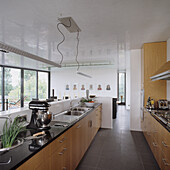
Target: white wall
point(106, 111)
point(135, 86)
point(100, 75)
point(128, 80)
point(168, 59)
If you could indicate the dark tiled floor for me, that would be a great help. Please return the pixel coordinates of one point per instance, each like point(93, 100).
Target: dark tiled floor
point(119, 148)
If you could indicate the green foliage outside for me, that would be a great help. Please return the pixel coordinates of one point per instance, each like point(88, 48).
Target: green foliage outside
point(13, 93)
point(8, 81)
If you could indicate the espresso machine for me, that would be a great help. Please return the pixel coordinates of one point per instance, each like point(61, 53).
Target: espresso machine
point(41, 117)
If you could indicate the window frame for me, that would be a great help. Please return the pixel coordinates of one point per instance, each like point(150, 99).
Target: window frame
point(22, 83)
point(124, 72)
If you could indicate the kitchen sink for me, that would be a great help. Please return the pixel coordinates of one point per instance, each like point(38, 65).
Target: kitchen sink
point(83, 109)
point(71, 115)
point(74, 113)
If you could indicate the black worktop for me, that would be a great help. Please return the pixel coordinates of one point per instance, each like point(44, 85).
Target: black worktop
point(25, 151)
point(159, 121)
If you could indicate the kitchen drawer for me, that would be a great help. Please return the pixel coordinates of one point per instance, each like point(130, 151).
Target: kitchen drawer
point(156, 149)
point(39, 162)
point(59, 142)
point(60, 158)
point(165, 163)
point(166, 149)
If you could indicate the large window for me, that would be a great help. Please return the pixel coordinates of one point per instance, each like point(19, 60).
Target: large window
point(19, 86)
point(29, 86)
point(0, 89)
point(13, 87)
point(122, 87)
point(42, 85)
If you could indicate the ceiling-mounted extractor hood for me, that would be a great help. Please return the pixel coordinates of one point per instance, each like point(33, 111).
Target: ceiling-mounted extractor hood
point(163, 73)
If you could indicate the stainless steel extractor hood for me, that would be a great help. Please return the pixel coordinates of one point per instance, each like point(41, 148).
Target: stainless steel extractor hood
point(163, 73)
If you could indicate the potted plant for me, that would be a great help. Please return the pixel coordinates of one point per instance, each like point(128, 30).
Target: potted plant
point(10, 133)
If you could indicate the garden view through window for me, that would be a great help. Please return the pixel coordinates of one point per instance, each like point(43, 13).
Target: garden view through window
point(33, 88)
point(121, 87)
point(29, 86)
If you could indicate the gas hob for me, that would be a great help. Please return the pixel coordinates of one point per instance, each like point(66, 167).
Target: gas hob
point(163, 116)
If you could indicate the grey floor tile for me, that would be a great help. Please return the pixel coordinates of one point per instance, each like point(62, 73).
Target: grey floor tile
point(147, 158)
point(151, 167)
point(109, 164)
point(85, 168)
point(90, 160)
point(119, 148)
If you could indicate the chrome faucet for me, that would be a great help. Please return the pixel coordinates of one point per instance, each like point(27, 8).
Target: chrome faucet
point(71, 104)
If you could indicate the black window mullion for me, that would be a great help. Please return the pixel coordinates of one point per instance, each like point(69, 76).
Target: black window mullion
point(49, 84)
point(3, 89)
point(36, 84)
point(22, 87)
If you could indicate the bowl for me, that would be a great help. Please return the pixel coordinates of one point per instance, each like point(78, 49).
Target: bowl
point(88, 104)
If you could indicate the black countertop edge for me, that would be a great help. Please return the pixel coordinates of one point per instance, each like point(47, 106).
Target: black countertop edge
point(165, 126)
point(50, 141)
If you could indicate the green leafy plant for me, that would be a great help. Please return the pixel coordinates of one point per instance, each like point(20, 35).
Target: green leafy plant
point(83, 100)
point(10, 132)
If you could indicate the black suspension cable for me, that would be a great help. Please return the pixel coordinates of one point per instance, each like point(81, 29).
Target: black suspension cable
point(63, 38)
point(77, 50)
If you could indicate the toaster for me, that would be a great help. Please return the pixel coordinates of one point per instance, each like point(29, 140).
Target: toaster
point(163, 104)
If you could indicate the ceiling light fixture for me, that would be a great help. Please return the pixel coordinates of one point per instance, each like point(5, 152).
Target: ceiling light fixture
point(72, 27)
point(9, 48)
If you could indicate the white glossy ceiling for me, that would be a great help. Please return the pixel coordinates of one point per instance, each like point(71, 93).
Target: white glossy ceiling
point(109, 27)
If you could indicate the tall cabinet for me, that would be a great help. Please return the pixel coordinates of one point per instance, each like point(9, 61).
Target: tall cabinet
point(154, 55)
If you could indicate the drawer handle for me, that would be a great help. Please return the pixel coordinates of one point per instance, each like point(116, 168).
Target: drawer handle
point(78, 126)
point(165, 163)
point(154, 144)
point(61, 153)
point(148, 133)
point(8, 162)
point(62, 140)
point(90, 123)
point(64, 168)
point(164, 144)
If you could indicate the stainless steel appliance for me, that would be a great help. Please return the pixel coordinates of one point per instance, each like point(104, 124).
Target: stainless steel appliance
point(163, 73)
point(163, 116)
point(163, 104)
point(41, 117)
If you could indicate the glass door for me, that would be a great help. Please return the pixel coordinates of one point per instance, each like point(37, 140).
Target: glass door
point(122, 88)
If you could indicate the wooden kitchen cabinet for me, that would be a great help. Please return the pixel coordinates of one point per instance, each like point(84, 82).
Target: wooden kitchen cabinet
point(65, 152)
point(60, 152)
point(158, 139)
point(78, 144)
point(41, 161)
point(154, 55)
point(60, 158)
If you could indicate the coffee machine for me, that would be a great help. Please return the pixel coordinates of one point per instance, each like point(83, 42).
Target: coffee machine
point(41, 117)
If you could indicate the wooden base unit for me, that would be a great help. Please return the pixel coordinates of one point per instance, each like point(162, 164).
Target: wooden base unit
point(66, 151)
point(158, 139)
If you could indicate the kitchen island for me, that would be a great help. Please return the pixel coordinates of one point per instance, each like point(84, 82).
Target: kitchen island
point(61, 148)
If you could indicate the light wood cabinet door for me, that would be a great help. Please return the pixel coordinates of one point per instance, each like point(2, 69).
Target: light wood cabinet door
point(78, 143)
point(154, 56)
point(60, 158)
point(158, 139)
point(165, 163)
point(67, 150)
point(165, 143)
